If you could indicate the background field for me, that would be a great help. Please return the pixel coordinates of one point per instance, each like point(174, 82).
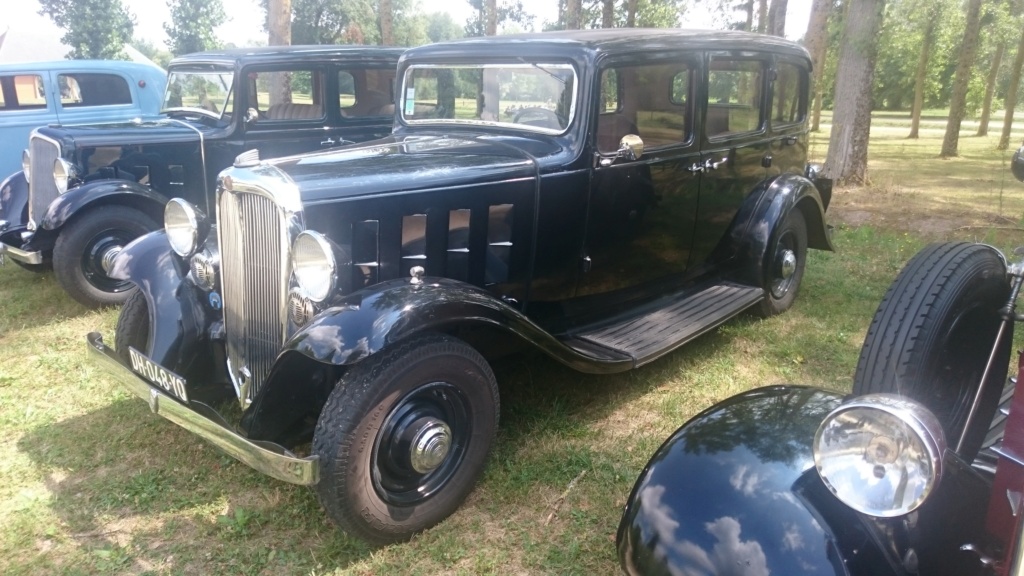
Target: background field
point(90, 482)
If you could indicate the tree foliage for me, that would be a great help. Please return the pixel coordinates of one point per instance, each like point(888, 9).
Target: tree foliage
point(508, 12)
point(192, 24)
point(92, 28)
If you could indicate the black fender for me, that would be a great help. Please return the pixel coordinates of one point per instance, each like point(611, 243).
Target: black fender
point(179, 318)
point(365, 322)
point(758, 220)
point(93, 194)
point(737, 484)
point(14, 200)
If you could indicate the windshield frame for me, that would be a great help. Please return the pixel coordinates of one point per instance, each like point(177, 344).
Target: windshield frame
point(201, 70)
point(546, 65)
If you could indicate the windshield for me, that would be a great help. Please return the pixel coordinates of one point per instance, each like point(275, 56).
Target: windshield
point(205, 92)
point(538, 97)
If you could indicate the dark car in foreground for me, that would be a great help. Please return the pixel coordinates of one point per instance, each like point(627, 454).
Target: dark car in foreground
point(602, 196)
point(919, 471)
point(86, 191)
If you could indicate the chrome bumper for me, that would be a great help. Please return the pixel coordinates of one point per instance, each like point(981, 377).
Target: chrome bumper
point(202, 421)
point(20, 255)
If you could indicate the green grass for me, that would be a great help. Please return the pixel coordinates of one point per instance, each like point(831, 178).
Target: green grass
point(92, 483)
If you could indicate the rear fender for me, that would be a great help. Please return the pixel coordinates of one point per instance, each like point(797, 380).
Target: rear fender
point(179, 318)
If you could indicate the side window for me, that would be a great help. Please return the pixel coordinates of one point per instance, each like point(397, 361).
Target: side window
point(788, 102)
point(651, 101)
point(22, 92)
point(367, 92)
point(87, 89)
point(287, 95)
point(734, 97)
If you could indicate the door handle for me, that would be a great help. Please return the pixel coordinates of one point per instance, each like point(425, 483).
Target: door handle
point(695, 168)
point(713, 165)
point(328, 142)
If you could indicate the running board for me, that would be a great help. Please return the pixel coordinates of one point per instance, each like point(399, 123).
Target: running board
point(661, 330)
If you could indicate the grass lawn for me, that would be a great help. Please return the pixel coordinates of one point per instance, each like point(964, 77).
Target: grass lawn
point(92, 483)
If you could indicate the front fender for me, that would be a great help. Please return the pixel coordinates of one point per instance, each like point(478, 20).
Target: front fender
point(178, 320)
point(369, 320)
point(101, 192)
point(14, 200)
point(736, 486)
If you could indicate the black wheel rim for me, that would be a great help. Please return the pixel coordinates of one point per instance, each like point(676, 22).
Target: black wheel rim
point(99, 248)
point(784, 266)
point(402, 474)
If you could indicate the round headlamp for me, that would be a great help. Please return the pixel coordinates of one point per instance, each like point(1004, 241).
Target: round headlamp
point(181, 222)
point(26, 166)
point(63, 173)
point(880, 454)
point(313, 266)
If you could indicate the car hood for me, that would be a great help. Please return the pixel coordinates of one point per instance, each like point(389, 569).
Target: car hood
point(151, 130)
point(403, 164)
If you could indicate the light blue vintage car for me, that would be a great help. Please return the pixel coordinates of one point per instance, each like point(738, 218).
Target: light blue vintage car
point(71, 92)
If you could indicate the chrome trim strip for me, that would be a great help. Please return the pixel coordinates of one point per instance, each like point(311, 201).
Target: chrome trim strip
point(264, 457)
point(21, 255)
point(202, 153)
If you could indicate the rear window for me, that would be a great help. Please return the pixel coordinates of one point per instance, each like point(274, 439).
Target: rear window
point(22, 92)
point(91, 89)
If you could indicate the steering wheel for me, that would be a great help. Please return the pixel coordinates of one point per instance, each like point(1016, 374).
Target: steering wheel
point(540, 117)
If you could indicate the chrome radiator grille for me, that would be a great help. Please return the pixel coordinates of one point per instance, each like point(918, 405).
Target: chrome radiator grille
point(253, 244)
point(42, 190)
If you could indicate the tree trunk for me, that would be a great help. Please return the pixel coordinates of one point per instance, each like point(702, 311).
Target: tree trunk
point(573, 12)
point(990, 89)
point(608, 14)
point(816, 41)
point(927, 44)
point(847, 159)
point(279, 25)
point(386, 21)
point(491, 9)
point(777, 17)
point(748, 7)
point(964, 66)
point(762, 16)
point(631, 13)
point(1011, 94)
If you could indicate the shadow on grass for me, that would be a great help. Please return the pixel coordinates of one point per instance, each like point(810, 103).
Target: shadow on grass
point(33, 298)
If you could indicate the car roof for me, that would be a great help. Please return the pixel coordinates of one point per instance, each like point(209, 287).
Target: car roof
point(78, 66)
point(611, 40)
point(261, 54)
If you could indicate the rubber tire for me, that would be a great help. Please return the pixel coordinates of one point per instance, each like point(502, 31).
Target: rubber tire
point(794, 231)
point(932, 335)
point(132, 326)
point(358, 407)
point(73, 240)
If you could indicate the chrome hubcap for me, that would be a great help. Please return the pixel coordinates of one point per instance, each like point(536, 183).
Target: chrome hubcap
point(107, 260)
point(787, 264)
point(430, 445)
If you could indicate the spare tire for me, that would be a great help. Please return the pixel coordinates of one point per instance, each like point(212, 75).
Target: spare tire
point(933, 333)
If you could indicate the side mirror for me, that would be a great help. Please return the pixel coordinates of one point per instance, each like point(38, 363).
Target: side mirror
point(631, 147)
point(251, 116)
point(1017, 164)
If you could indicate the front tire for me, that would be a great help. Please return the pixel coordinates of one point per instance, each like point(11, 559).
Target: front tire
point(785, 268)
point(132, 326)
point(85, 248)
point(933, 333)
point(404, 437)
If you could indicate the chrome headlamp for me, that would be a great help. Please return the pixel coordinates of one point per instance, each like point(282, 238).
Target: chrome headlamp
point(26, 166)
point(182, 223)
point(880, 454)
point(63, 173)
point(313, 265)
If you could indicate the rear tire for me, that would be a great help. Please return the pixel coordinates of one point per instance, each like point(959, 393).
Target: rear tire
point(84, 246)
point(932, 335)
point(785, 269)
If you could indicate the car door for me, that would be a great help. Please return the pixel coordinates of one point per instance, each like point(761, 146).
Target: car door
point(366, 102)
point(287, 109)
point(736, 145)
point(789, 90)
point(641, 212)
point(24, 106)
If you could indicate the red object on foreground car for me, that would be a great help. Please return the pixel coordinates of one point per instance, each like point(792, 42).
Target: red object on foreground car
point(919, 471)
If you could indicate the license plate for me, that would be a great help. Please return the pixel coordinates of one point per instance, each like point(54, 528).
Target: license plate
point(158, 375)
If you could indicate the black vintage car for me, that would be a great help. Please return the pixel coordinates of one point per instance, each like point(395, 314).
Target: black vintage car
point(604, 196)
point(919, 471)
point(87, 190)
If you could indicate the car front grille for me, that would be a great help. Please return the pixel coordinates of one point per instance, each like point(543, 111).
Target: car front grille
point(42, 189)
point(254, 241)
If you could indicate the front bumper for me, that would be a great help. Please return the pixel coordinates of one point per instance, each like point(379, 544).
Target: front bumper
point(26, 256)
point(203, 421)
